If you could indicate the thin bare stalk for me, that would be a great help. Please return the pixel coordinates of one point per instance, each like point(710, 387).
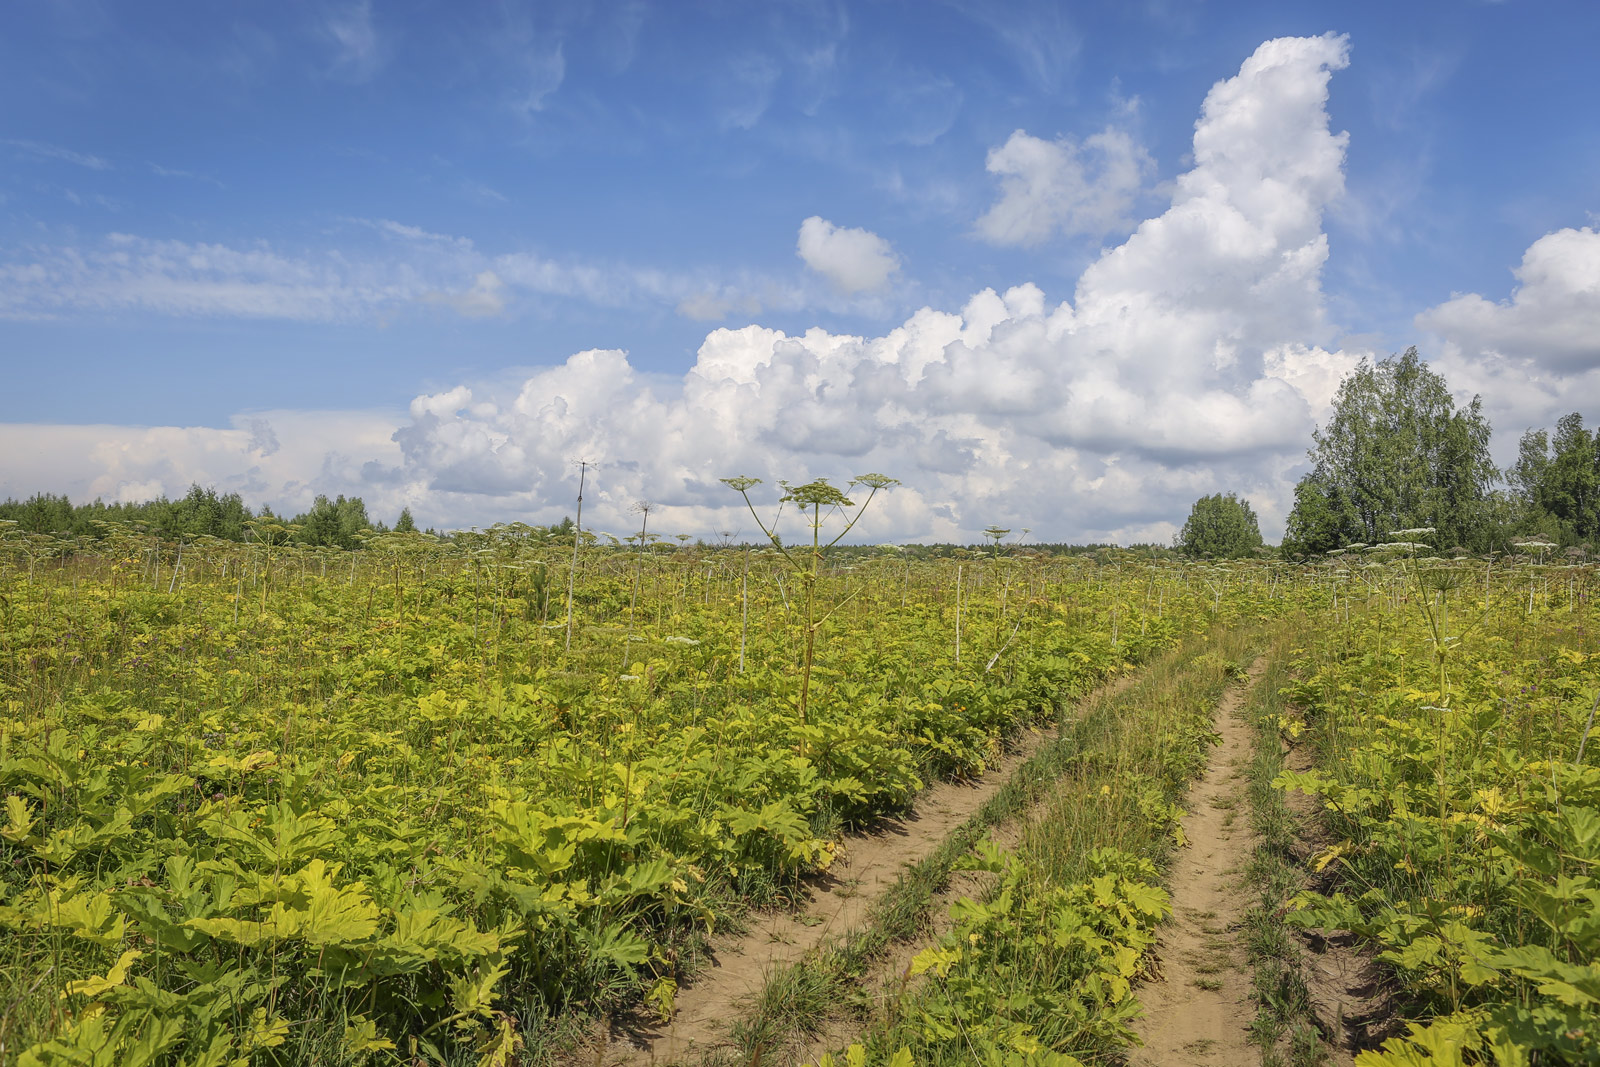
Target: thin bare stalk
point(577, 539)
point(958, 614)
point(744, 608)
point(1581, 744)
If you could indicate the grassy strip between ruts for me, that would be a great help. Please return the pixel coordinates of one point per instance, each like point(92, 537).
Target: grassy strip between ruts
point(1284, 1028)
point(1039, 970)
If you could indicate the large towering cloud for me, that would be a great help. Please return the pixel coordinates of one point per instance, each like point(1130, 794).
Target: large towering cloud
point(1189, 359)
point(1186, 361)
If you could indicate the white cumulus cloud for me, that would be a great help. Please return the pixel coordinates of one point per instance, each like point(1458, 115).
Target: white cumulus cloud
point(853, 260)
point(1050, 187)
point(1553, 315)
point(1192, 358)
point(284, 458)
point(1536, 355)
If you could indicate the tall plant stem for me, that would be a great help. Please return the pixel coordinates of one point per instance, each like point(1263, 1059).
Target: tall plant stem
point(744, 608)
point(577, 539)
point(958, 614)
point(810, 579)
point(1581, 744)
point(633, 600)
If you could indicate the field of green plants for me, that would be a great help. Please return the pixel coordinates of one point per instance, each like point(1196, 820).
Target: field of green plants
point(457, 802)
point(1452, 708)
point(292, 805)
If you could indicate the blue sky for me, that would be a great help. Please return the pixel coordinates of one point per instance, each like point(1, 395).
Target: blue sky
point(254, 244)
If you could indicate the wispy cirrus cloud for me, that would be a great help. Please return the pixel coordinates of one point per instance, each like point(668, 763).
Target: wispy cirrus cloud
point(125, 272)
point(486, 298)
point(399, 266)
point(189, 175)
point(358, 50)
point(747, 86)
point(544, 71)
point(44, 150)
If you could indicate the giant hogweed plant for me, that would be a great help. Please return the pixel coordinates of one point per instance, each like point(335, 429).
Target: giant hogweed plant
point(816, 501)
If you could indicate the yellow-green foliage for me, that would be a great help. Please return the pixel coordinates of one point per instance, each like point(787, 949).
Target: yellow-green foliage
point(1040, 967)
point(1449, 720)
point(299, 806)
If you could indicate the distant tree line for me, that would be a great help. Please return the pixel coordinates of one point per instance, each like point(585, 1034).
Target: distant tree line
point(203, 512)
point(343, 521)
point(1398, 454)
point(951, 550)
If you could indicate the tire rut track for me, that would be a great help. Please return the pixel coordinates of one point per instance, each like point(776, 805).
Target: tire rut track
point(870, 864)
point(1199, 1011)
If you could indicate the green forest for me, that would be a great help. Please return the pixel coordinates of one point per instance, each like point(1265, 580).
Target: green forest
point(203, 512)
point(1399, 454)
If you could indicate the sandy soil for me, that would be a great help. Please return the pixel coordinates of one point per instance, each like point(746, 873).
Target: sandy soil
point(1200, 1010)
point(869, 865)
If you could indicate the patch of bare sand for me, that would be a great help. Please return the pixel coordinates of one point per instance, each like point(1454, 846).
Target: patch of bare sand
point(1199, 1012)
